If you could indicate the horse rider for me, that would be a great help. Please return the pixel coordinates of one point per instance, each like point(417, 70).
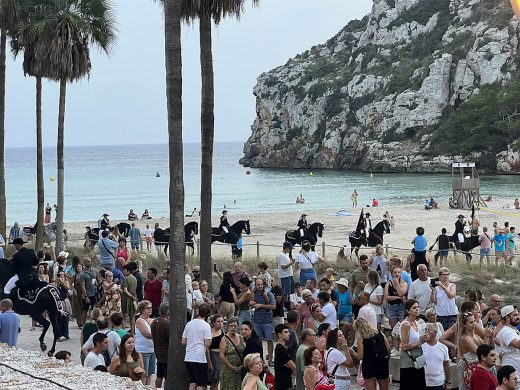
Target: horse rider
point(105, 222)
point(459, 228)
point(224, 224)
point(302, 225)
point(23, 262)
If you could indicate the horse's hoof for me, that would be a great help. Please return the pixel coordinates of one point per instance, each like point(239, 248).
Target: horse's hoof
point(50, 354)
point(43, 347)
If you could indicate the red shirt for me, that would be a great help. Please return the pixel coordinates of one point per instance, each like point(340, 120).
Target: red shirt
point(483, 379)
point(152, 292)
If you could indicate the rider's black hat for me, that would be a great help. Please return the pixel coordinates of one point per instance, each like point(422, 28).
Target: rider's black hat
point(18, 241)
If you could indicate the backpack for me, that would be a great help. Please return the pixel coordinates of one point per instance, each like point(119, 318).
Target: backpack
point(375, 346)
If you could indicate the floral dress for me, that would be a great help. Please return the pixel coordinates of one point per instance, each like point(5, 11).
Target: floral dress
point(230, 380)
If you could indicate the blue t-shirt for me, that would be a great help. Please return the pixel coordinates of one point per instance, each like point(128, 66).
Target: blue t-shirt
point(106, 254)
point(135, 235)
point(500, 242)
point(420, 244)
point(9, 327)
point(263, 316)
point(344, 305)
point(511, 241)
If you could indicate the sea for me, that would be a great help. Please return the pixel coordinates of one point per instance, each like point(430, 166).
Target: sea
point(117, 178)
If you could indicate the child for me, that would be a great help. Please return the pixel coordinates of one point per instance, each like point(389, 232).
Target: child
point(262, 273)
point(198, 299)
point(418, 255)
point(329, 275)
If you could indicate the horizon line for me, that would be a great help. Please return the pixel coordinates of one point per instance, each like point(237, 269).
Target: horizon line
point(123, 144)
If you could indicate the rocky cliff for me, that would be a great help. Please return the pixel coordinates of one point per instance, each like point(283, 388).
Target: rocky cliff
point(374, 95)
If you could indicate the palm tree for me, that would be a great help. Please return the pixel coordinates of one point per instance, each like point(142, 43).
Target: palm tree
point(172, 31)
point(9, 17)
point(65, 28)
point(205, 11)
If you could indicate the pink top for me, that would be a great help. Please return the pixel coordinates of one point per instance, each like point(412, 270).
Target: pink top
point(321, 378)
point(123, 253)
point(485, 241)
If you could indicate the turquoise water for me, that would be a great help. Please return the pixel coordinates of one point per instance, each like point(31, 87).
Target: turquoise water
point(114, 179)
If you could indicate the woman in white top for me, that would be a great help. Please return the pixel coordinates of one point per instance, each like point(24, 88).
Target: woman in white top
point(380, 264)
point(337, 357)
point(143, 340)
point(444, 299)
point(375, 293)
point(305, 261)
point(411, 341)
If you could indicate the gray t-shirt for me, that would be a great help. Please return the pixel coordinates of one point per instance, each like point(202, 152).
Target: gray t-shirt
point(90, 279)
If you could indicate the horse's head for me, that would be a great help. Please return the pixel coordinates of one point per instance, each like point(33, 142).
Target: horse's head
point(195, 228)
point(319, 229)
point(386, 226)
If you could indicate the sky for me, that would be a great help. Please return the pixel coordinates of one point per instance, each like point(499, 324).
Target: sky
point(123, 101)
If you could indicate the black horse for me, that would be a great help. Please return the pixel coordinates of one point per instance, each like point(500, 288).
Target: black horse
point(124, 228)
point(232, 236)
point(314, 231)
point(375, 236)
point(45, 300)
point(191, 229)
point(49, 231)
point(465, 247)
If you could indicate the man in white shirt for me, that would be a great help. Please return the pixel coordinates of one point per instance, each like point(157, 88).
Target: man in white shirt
point(197, 338)
point(113, 339)
point(285, 270)
point(328, 311)
point(437, 369)
point(509, 337)
point(95, 357)
point(421, 289)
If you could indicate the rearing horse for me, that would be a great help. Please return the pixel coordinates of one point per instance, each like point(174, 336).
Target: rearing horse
point(46, 299)
point(375, 236)
point(314, 231)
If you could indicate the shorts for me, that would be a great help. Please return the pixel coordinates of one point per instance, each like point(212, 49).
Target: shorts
point(198, 373)
point(447, 321)
point(149, 363)
point(510, 251)
point(395, 312)
point(346, 319)
point(287, 285)
point(499, 254)
point(135, 245)
point(214, 376)
point(162, 370)
point(264, 331)
point(149, 239)
point(87, 306)
point(375, 368)
point(485, 251)
point(443, 253)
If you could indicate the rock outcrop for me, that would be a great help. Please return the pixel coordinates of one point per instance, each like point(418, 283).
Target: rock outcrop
point(371, 97)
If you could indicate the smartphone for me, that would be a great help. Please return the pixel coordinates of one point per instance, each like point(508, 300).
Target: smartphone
point(215, 267)
point(433, 282)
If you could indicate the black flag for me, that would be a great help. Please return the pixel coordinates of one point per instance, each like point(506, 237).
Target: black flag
point(361, 223)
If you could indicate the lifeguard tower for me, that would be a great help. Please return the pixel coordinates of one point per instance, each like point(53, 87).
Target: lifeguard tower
point(466, 188)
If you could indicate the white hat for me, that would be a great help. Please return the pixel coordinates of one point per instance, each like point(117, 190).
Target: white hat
point(506, 310)
point(63, 254)
point(343, 282)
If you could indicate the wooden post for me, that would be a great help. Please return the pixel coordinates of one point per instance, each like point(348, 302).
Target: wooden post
point(258, 250)
point(386, 249)
point(323, 249)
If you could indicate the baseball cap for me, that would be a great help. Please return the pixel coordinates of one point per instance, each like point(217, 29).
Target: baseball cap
point(506, 310)
point(287, 245)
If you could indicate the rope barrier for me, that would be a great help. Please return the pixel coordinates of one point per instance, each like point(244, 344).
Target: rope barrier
point(36, 377)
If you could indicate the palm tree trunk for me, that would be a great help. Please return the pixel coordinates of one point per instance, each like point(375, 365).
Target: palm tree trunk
point(40, 188)
point(3, 211)
point(61, 170)
point(177, 378)
point(207, 123)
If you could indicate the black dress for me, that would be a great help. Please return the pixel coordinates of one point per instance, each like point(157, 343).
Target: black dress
point(375, 358)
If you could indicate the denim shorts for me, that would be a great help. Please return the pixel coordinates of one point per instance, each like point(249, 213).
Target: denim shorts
point(485, 251)
point(443, 253)
point(149, 363)
point(287, 285)
point(395, 312)
point(135, 245)
point(264, 331)
point(346, 319)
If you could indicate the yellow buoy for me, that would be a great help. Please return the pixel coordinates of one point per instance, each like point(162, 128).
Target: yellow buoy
point(52, 178)
point(371, 175)
point(311, 174)
point(386, 181)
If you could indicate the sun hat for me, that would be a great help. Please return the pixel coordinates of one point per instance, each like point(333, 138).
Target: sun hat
point(506, 310)
point(63, 254)
point(343, 282)
point(287, 245)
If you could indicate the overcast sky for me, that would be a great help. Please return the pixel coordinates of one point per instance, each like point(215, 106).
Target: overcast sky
point(124, 101)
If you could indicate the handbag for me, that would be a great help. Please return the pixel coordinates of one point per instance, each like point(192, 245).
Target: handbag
point(236, 349)
point(133, 376)
point(419, 361)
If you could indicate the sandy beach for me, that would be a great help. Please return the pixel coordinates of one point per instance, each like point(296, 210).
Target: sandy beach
point(269, 228)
